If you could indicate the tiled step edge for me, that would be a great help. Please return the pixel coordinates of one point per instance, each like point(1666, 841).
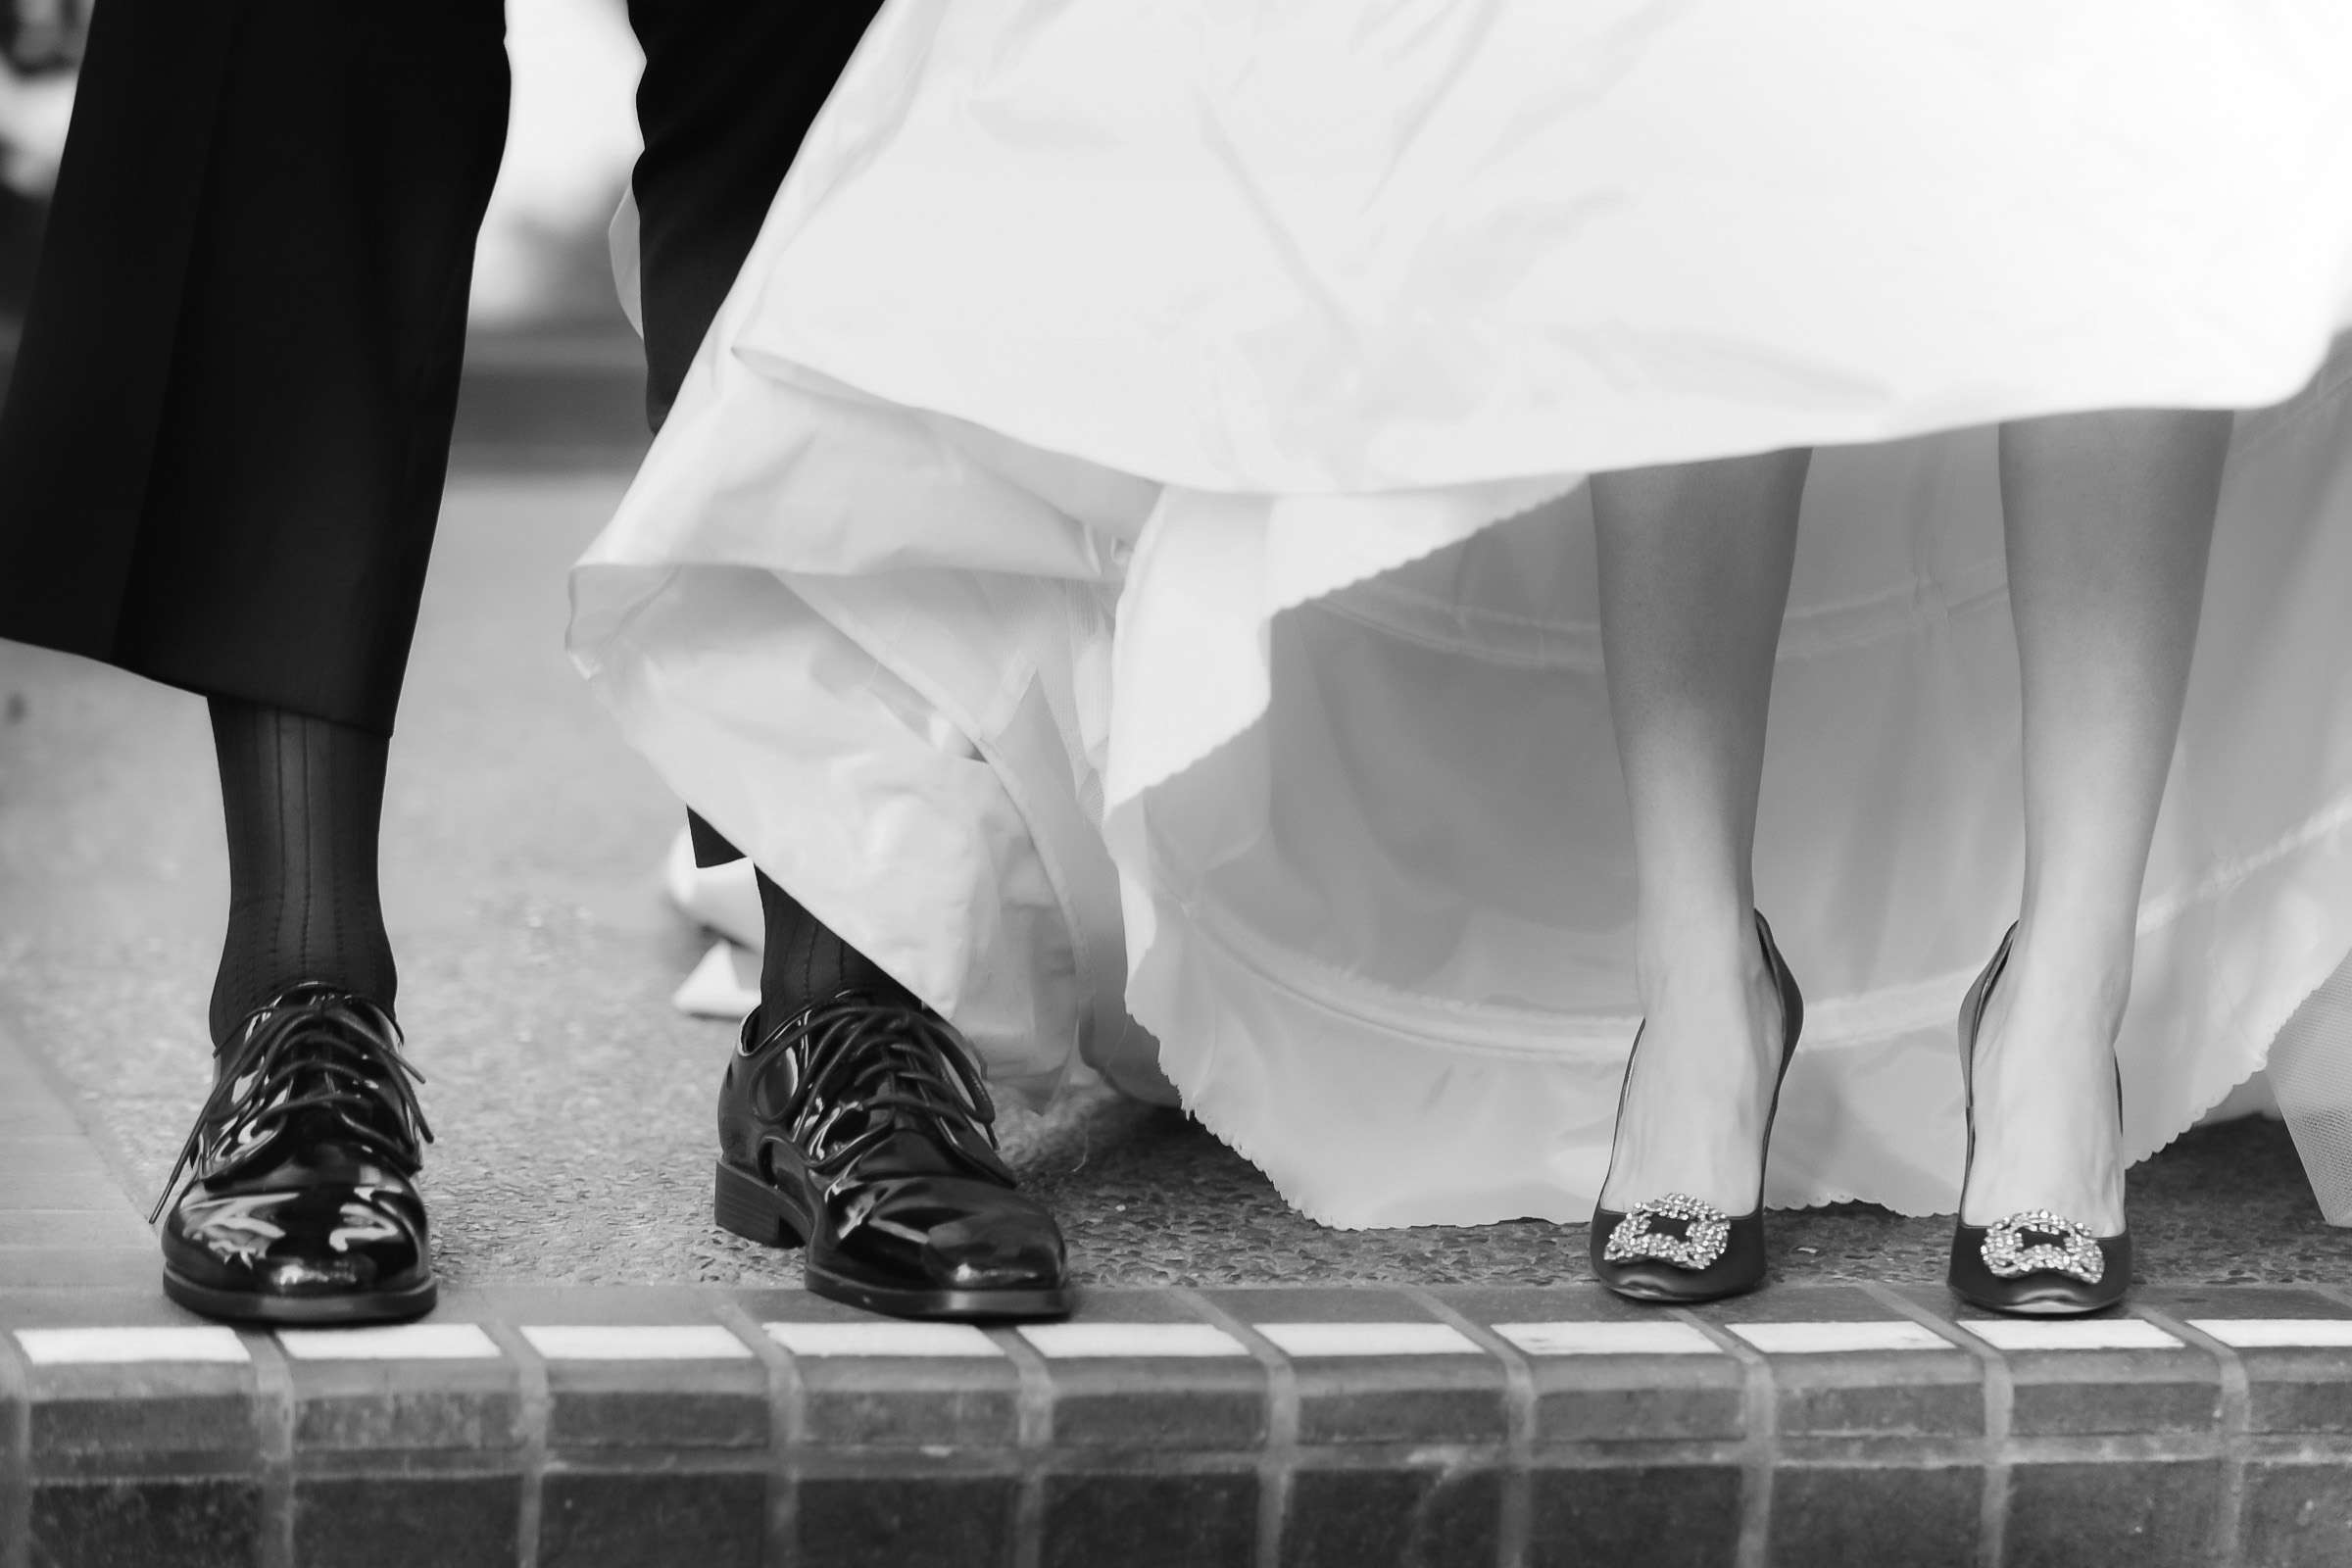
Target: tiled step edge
point(1243, 1427)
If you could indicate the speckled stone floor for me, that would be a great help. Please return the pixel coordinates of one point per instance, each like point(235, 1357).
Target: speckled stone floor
point(573, 1103)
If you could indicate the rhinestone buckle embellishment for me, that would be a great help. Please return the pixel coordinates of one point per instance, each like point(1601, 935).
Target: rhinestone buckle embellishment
point(1706, 1231)
point(2076, 1252)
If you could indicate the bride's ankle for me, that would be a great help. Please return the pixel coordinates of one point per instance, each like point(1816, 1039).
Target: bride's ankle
point(1698, 956)
point(2063, 1000)
point(2075, 964)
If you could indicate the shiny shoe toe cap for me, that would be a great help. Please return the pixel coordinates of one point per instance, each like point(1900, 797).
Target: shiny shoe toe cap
point(307, 1237)
point(992, 1253)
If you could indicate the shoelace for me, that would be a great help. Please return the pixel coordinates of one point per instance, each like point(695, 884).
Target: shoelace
point(866, 1056)
point(345, 1052)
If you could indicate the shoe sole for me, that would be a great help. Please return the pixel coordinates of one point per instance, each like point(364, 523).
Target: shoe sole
point(1658, 1298)
point(248, 1306)
point(745, 1206)
point(2046, 1307)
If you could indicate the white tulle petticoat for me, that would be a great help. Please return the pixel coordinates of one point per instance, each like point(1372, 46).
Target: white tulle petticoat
point(1121, 555)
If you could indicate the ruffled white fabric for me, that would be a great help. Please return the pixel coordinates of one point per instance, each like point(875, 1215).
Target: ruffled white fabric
point(1122, 553)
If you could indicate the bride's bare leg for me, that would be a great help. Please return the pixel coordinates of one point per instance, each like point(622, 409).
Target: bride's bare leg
point(2109, 518)
point(1695, 565)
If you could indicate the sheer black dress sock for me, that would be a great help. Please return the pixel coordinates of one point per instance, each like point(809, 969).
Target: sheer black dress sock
point(302, 799)
point(802, 961)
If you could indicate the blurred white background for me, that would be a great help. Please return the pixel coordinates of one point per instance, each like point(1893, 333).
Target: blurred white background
point(569, 143)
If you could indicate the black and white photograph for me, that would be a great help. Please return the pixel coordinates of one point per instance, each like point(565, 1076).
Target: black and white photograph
point(1175, 784)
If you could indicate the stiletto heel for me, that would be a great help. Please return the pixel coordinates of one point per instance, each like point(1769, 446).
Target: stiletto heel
point(2036, 1263)
point(1677, 1249)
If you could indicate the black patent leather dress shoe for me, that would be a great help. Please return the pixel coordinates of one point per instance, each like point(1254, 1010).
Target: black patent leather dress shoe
point(861, 1126)
point(300, 1203)
point(1676, 1248)
point(2036, 1263)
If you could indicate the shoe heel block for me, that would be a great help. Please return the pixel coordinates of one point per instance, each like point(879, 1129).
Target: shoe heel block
point(741, 1203)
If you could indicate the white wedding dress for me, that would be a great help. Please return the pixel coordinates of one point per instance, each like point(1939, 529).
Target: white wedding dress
point(1121, 555)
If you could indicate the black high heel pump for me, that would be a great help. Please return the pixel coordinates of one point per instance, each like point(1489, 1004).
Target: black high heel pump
point(2036, 1263)
point(1676, 1248)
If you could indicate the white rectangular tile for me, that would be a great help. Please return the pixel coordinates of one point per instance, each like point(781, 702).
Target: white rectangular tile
point(2278, 1333)
point(632, 1341)
point(1661, 1336)
point(391, 1342)
point(1076, 1341)
point(1368, 1339)
point(1816, 1339)
point(882, 1337)
point(92, 1347)
point(2070, 1334)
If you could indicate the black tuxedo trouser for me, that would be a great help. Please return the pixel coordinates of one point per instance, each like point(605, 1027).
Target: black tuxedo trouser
point(222, 452)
